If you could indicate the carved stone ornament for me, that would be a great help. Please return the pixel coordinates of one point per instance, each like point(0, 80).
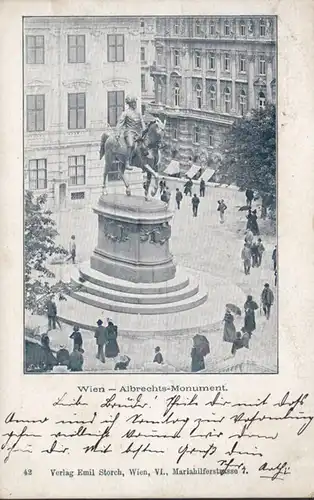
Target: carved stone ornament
point(77, 85)
point(158, 235)
point(115, 232)
point(260, 82)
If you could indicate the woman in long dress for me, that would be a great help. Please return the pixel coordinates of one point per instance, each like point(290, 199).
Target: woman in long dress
point(229, 328)
point(250, 307)
point(111, 349)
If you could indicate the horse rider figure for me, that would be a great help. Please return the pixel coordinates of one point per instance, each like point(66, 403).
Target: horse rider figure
point(132, 125)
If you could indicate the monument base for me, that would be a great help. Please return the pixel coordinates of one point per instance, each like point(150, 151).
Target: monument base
point(133, 239)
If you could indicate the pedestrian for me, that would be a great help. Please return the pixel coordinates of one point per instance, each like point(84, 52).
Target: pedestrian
point(122, 363)
point(260, 251)
point(111, 349)
point(249, 193)
point(48, 359)
point(162, 185)
point(179, 197)
point(249, 220)
point(237, 343)
point(254, 253)
point(276, 274)
point(188, 187)
point(254, 225)
point(63, 356)
point(158, 356)
point(249, 238)
point(51, 313)
point(229, 328)
point(101, 340)
point(77, 339)
point(195, 204)
point(76, 360)
point(267, 299)
point(245, 338)
point(202, 188)
point(72, 248)
point(274, 258)
point(250, 307)
point(197, 356)
point(165, 197)
point(168, 192)
point(246, 256)
point(222, 207)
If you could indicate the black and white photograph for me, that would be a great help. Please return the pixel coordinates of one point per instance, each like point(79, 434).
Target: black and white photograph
point(150, 195)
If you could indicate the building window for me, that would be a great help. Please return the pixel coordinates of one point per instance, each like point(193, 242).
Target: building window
point(159, 58)
point(76, 111)
point(35, 49)
point(212, 28)
point(262, 28)
point(176, 58)
point(197, 134)
point(242, 64)
point(262, 65)
point(212, 98)
point(143, 82)
point(177, 95)
point(227, 98)
point(242, 103)
point(76, 170)
point(210, 139)
point(261, 100)
point(76, 48)
point(197, 59)
point(197, 27)
point(242, 28)
point(212, 61)
point(35, 113)
point(174, 130)
point(37, 174)
point(142, 25)
point(198, 90)
point(115, 99)
point(227, 63)
point(115, 48)
point(176, 26)
point(143, 55)
point(227, 28)
point(79, 195)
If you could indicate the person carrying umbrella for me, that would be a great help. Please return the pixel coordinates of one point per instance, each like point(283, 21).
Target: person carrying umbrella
point(250, 307)
point(199, 350)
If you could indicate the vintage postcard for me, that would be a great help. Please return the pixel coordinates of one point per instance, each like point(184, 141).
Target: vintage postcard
point(157, 255)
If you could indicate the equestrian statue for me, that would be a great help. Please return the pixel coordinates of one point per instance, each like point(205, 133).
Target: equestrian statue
point(132, 144)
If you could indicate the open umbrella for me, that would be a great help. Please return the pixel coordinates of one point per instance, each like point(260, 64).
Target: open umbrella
point(242, 209)
point(233, 308)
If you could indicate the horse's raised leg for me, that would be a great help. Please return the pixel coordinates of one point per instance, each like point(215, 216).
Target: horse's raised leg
point(155, 176)
point(127, 185)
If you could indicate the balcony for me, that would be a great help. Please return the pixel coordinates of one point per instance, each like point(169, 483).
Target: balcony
point(192, 113)
point(156, 69)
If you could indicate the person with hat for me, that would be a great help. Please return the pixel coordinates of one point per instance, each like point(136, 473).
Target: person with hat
point(111, 349)
point(76, 360)
point(101, 340)
point(132, 125)
point(63, 356)
point(77, 338)
point(267, 299)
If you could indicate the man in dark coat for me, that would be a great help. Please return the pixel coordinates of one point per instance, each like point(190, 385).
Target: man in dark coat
point(267, 299)
point(188, 187)
point(250, 307)
point(101, 340)
point(202, 188)
point(179, 197)
point(249, 193)
point(195, 204)
point(51, 313)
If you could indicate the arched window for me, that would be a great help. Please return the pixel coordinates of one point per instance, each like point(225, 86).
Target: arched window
point(227, 99)
point(177, 94)
point(262, 65)
point(210, 138)
point(197, 59)
point(197, 134)
point(197, 27)
point(227, 28)
point(212, 98)
point(242, 28)
point(198, 90)
point(242, 102)
point(262, 27)
point(176, 54)
point(261, 100)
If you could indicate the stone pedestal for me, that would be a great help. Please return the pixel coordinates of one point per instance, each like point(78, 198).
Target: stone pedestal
point(133, 239)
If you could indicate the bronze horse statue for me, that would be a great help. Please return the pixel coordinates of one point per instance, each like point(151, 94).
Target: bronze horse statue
point(145, 155)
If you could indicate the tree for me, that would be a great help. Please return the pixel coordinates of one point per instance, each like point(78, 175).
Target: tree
point(250, 155)
point(39, 244)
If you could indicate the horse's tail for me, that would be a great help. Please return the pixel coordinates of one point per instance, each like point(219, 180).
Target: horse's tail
point(103, 140)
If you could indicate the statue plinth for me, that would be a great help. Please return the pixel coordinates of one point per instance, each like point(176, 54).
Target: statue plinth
point(133, 239)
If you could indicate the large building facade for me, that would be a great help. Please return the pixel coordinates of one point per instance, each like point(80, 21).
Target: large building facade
point(148, 33)
point(208, 71)
point(77, 72)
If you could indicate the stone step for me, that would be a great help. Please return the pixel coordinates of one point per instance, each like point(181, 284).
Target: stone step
point(179, 282)
point(145, 309)
point(132, 298)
